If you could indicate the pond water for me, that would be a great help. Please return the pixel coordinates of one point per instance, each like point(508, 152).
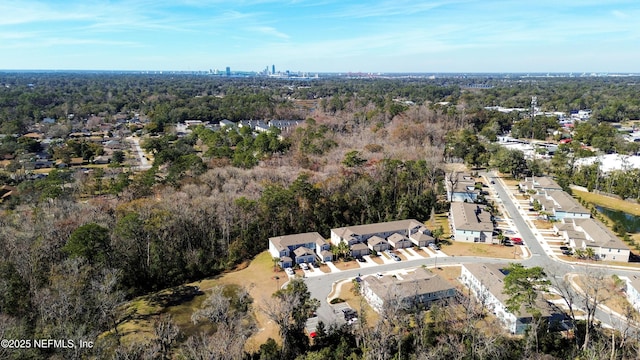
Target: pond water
point(630, 222)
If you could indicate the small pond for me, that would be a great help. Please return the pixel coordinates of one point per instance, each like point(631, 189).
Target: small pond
point(630, 222)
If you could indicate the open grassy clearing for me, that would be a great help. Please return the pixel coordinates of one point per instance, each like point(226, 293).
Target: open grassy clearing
point(441, 219)
point(258, 276)
point(609, 202)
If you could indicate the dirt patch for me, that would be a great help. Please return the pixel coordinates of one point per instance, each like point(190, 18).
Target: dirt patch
point(484, 250)
point(449, 273)
point(542, 225)
point(511, 182)
point(377, 260)
point(421, 252)
point(346, 265)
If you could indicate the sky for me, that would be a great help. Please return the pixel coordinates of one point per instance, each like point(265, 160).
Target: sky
point(601, 36)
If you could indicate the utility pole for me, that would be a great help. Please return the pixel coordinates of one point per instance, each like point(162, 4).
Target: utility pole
point(534, 103)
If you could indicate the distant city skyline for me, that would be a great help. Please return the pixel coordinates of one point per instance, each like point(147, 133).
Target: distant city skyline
point(384, 36)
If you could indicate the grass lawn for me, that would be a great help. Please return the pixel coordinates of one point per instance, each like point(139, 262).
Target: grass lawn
point(258, 276)
point(511, 182)
point(357, 302)
point(484, 250)
point(609, 202)
point(543, 225)
point(441, 219)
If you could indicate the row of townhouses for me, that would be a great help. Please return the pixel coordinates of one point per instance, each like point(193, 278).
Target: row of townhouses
point(573, 221)
point(361, 239)
point(470, 222)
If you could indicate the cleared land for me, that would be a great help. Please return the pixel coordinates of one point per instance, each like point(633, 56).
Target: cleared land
point(484, 250)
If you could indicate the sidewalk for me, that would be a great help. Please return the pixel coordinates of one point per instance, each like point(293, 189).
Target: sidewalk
point(332, 267)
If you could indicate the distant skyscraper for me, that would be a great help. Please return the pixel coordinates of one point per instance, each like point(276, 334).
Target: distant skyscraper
point(273, 69)
point(228, 71)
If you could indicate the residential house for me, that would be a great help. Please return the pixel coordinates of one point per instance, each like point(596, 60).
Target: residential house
point(633, 291)
point(486, 282)
point(102, 159)
point(378, 244)
point(399, 241)
point(538, 184)
point(285, 125)
point(358, 234)
point(591, 233)
point(471, 223)
point(226, 122)
point(560, 205)
point(422, 239)
point(299, 248)
point(359, 250)
point(462, 188)
point(421, 288)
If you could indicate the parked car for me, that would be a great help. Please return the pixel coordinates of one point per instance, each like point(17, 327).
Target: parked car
point(379, 275)
point(396, 258)
point(567, 252)
point(564, 248)
point(349, 314)
point(361, 259)
point(434, 246)
point(507, 242)
point(304, 266)
point(289, 271)
point(517, 241)
point(492, 182)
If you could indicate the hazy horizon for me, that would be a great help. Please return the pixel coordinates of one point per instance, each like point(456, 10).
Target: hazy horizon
point(471, 36)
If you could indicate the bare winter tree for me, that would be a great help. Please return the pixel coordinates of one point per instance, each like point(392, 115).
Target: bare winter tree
point(593, 284)
point(166, 334)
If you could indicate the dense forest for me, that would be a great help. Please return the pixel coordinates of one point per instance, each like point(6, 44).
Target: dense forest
point(78, 246)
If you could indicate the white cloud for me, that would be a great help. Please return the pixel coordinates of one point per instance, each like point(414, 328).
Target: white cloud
point(268, 30)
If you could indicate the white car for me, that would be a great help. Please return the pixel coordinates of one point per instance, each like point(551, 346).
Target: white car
point(289, 271)
point(304, 266)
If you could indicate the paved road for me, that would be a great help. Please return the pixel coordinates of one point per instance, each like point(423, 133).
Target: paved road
point(542, 255)
point(144, 163)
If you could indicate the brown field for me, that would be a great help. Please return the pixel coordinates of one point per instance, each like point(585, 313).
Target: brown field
point(511, 182)
point(377, 259)
point(484, 250)
point(346, 265)
point(543, 225)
